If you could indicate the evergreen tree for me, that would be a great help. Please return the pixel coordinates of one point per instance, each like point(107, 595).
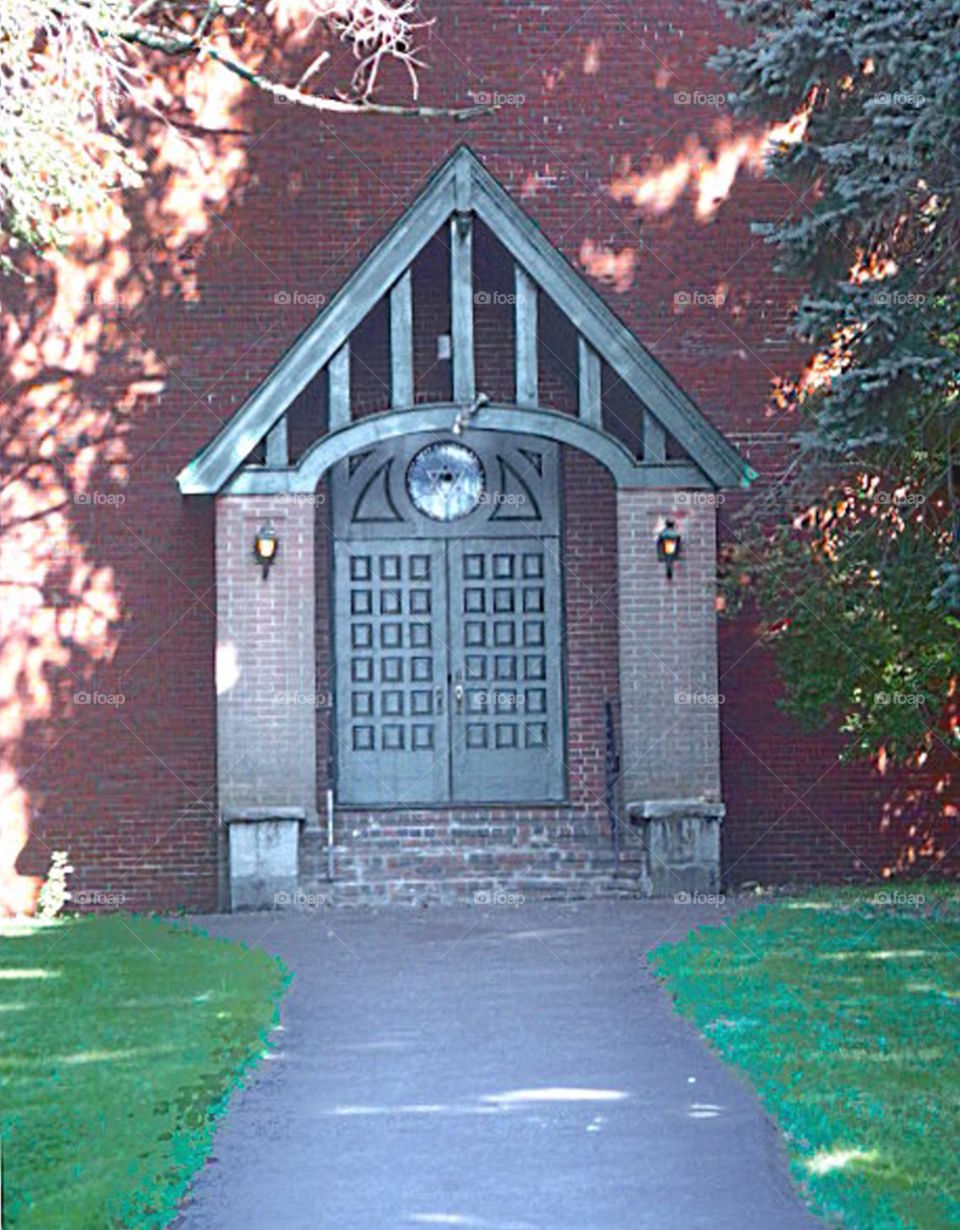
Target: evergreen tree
point(854, 557)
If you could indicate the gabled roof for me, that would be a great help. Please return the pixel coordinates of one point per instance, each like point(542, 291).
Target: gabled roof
point(463, 183)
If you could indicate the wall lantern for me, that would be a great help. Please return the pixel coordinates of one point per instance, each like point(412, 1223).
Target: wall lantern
point(668, 546)
point(265, 548)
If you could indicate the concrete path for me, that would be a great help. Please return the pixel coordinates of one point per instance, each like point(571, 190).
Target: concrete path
point(512, 1068)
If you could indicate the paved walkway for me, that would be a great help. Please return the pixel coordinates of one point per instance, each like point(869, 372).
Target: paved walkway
point(502, 1069)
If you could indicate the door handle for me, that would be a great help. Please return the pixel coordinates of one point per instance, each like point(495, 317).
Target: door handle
point(458, 697)
point(439, 698)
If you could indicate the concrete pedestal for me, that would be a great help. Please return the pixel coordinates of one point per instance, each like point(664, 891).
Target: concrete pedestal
point(264, 857)
point(681, 841)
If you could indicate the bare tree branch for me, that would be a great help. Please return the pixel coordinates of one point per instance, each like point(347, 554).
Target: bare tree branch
point(155, 39)
point(72, 69)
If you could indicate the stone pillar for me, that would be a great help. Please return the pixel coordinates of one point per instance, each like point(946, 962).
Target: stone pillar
point(266, 668)
point(669, 702)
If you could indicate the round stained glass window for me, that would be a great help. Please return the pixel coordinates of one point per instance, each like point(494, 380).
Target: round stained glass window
point(445, 481)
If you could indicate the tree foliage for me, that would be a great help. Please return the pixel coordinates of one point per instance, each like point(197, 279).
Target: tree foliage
point(74, 70)
point(853, 555)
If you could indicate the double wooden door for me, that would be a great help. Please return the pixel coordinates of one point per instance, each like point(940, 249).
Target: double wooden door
point(448, 623)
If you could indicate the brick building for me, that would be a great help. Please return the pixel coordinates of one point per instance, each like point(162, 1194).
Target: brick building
point(399, 565)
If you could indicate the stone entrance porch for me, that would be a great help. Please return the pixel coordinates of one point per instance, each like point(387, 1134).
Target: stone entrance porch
point(637, 459)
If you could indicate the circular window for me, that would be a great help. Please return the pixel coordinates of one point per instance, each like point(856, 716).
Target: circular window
point(445, 481)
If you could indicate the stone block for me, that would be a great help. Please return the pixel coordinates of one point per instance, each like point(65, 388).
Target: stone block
point(681, 844)
point(264, 857)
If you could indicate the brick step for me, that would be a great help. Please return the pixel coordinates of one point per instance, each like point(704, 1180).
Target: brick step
point(439, 859)
point(480, 876)
point(454, 841)
point(570, 849)
point(466, 834)
point(459, 841)
point(453, 890)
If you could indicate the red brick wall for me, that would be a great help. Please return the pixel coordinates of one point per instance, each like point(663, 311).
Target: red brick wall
point(794, 812)
point(128, 789)
point(206, 309)
point(590, 586)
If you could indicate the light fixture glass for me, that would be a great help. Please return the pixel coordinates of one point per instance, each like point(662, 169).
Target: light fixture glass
point(265, 548)
point(669, 542)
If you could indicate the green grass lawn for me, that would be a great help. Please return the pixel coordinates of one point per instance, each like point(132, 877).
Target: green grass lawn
point(845, 1016)
point(120, 1040)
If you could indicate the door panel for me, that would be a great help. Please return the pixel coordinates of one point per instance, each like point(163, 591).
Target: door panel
point(448, 631)
point(392, 672)
point(506, 713)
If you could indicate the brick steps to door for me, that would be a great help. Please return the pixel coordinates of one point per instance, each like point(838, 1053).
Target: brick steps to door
point(487, 863)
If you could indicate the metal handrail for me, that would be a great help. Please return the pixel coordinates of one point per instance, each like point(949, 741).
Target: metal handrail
point(612, 775)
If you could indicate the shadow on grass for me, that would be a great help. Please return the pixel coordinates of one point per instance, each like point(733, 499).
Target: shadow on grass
point(121, 1039)
point(843, 1009)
